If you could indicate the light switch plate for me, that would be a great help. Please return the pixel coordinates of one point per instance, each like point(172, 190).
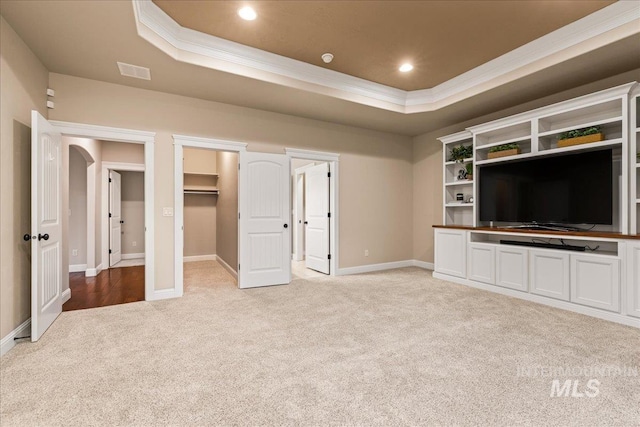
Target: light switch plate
point(167, 211)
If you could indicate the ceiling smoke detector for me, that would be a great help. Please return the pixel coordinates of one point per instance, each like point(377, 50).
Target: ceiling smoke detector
point(327, 57)
point(134, 71)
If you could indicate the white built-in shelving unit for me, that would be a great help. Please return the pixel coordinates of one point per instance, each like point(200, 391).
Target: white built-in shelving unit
point(456, 212)
point(537, 133)
point(634, 144)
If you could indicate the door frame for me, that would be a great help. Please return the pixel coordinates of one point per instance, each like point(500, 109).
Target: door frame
point(179, 142)
point(108, 133)
point(106, 240)
point(297, 252)
point(334, 160)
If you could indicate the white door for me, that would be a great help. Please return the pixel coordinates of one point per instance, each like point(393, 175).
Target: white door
point(298, 217)
point(46, 225)
point(316, 210)
point(265, 242)
point(115, 218)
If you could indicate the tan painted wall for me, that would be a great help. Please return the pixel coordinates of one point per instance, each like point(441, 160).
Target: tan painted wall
point(77, 207)
point(375, 168)
point(122, 152)
point(199, 209)
point(23, 85)
point(227, 209)
point(427, 158)
point(132, 212)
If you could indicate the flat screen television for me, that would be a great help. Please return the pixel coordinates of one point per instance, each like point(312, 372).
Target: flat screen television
point(568, 189)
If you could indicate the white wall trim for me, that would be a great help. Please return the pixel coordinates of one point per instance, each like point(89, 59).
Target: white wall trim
point(133, 256)
point(334, 198)
point(423, 264)
point(163, 294)
point(369, 268)
point(8, 341)
point(77, 268)
point(180, 141)
point(227, 267)
point(107, 133)
point(66, 295)
point(194, 258)
point(323, 156)
point(564, 305)
point(603, 27)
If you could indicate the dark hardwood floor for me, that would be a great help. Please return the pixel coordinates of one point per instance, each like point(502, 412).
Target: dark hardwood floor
point(110, 287)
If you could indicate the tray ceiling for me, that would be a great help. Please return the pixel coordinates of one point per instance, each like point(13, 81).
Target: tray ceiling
point(370, 39)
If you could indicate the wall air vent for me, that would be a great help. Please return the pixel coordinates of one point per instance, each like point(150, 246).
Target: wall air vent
point(135, 71)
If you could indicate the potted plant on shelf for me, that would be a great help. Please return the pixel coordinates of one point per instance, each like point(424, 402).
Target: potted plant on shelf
point(458, 154)
point(504, 150)
point(469, 168)
point(580, 136)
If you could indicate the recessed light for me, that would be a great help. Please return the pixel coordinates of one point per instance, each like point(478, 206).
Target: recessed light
point(247, 13)
point(406, 67)
point(327, 57)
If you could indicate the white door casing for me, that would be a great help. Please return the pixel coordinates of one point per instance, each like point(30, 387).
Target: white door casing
point(265, 239)
point(317, 218)
point(115, 218)
point(46, 225)
point(298, 216)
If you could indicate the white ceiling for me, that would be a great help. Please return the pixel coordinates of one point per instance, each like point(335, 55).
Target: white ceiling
point(87, 38)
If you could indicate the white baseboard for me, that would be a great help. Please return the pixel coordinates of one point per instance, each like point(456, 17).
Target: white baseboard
point(374, 267)
point(423, 264)
point(66, 296)
point(564, 305)
point(8, 342)
point(77, 268)
point(93, 272)
point(164, 294)
point(199, 258)
point(227, 267)
point(132, 256)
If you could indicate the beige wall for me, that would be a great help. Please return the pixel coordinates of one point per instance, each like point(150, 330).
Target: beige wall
point(132, 212)
point(23, 85)
point(227, 209)
point(199, 209)
point(375, 168)
point(77, 207)
point(427, 162)
point(122, 152)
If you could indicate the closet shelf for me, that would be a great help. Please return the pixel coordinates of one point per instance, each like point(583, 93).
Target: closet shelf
point(201, 173)
point(211, 192)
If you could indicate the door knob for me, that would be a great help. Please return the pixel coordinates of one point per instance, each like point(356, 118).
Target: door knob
point(306, 222)
point(43, 236)
point(27, 237)
point(286, 226)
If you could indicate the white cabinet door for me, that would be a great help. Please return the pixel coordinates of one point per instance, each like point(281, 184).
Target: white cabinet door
point(595, 281)
point(482, 263)
point(633, 279)
point(549, 273)
point(512, 265)
point(451, 254)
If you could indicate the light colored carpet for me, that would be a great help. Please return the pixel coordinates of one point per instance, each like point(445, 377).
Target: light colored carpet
point(389, 348)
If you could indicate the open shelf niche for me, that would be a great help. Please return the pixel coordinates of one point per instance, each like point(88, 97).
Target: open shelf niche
point(456, 212)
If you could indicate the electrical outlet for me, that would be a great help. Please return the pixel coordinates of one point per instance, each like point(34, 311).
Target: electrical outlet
point(366, 252)
point(74, 252)
point(167, 211)
point(134, 243)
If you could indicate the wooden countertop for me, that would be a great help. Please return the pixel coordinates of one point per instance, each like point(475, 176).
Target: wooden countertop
point(598, 234)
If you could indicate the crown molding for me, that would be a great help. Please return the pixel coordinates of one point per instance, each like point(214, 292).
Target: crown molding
point(612, 23)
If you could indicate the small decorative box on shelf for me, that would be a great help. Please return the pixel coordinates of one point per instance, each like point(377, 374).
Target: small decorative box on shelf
point(503, 153)
point(596, 137)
